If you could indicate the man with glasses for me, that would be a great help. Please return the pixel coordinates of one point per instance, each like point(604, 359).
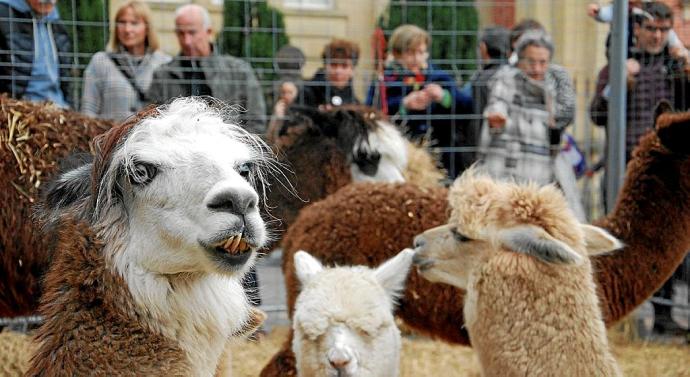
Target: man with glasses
point(653, 75)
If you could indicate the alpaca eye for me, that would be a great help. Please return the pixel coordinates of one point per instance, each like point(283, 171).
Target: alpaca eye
point(245, 170)
point(459, 237)
point(142, 173)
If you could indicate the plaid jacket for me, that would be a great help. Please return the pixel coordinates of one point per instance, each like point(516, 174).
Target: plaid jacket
point(522, 149)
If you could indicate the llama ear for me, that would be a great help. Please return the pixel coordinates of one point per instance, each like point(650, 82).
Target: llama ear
point(69, 188)
point(534, 241)
point(392, 274)
point(306, 266)
point(598, 240)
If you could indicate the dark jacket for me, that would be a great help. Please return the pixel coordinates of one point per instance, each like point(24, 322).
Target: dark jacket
point(661, 77)
point(229, 79)
point(17, 51)
point(318, 91)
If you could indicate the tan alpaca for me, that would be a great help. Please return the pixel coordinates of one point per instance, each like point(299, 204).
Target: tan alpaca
point(531, 307)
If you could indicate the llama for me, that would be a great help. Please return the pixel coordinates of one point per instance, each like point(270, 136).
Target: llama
point(153, 240)
point(326, 150)
point(33, 137)
point(522, 257)
point(343, 321)
point(650, 217)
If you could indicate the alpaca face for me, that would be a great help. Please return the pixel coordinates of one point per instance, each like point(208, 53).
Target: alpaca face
point(343, 320)
point(379, 156)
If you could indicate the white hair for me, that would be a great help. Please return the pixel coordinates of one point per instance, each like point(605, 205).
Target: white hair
point(205, 16)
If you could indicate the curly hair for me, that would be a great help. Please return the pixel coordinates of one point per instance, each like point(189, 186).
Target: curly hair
point(340, 50)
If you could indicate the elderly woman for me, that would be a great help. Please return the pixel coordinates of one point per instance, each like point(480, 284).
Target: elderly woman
point(116, 81)
point(520, 138)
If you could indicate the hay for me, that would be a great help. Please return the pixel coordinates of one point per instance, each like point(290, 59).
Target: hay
point(420, 357)
point(425, 357)
point(33, 139)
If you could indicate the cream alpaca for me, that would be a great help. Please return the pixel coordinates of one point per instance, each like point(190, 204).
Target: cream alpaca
point(146, 275)
point(343, 321)
point(531, 307)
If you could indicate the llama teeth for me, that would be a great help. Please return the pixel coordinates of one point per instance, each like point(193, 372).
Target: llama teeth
point(243, 245)
point(227, 245)
point(235, 243)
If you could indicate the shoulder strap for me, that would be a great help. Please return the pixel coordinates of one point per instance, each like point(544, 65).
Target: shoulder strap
point(130, 78)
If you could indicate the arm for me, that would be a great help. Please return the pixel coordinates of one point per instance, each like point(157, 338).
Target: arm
point(92, 94)
point(565, 96)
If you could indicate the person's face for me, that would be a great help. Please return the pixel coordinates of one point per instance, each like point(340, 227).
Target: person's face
point(416, 58)
point(42, 7)
point(339, 72)
point(534, 62)
point(652, 35)
point(194, 38)
point(131, 30)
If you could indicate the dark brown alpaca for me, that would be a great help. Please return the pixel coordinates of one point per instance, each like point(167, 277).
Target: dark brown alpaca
point(365, 224)
point(34, 138)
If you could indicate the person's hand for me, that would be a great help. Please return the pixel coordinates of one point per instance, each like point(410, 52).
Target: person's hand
point(280, 108)
point(288, 92)
point(417, 100)
point(434, 91)
point(593, 9)
point(496, 121)
point(632, 68)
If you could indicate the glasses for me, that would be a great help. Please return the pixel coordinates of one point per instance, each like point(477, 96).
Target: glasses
point(654, 29)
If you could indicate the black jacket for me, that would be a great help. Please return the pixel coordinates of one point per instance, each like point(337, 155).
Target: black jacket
point(17, 52)
point(318, 91)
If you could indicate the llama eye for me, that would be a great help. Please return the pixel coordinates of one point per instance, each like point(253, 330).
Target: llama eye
point(142, 173)
point(245, 170)
point(459, 236)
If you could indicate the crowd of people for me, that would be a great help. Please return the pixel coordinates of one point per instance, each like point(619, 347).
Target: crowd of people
point(510, 116)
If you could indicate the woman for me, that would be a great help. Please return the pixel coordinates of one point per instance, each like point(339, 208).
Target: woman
point(116, 81)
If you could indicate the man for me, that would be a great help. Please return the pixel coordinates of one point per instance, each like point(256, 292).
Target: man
point(199, 71)
point(653, 75)
point(35, 52)
point(494, 48)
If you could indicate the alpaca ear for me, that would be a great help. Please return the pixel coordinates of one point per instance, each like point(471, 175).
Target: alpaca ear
point(598, 240)
point(306, 266)
point(392, 274)
point(534, 241)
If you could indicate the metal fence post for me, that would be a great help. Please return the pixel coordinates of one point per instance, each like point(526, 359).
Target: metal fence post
point(615, 135)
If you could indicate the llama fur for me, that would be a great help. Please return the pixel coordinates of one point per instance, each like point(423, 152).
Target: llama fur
point(35, 137)
point(145, 278)
point(522, 257)
point(343, 321)
point(650, 218)
point(322, 151)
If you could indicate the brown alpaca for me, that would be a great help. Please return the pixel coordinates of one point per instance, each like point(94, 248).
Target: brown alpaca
point(321, 149)
point(650, 218)
point(34, 137)
point(146, 278)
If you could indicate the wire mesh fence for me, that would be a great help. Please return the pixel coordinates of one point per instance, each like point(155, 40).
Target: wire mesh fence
point(257, 33)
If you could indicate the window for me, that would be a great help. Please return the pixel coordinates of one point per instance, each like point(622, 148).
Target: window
point(309, 4)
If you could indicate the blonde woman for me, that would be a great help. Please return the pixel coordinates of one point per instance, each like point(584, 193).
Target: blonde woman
point(116, 80)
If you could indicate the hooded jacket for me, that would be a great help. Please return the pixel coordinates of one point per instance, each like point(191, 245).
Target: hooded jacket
point(35, 54)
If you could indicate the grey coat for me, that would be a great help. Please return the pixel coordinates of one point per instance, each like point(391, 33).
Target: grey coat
point(230, 79)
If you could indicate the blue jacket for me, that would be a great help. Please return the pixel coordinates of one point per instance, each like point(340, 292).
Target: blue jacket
point(437, 118)
point(36, 54)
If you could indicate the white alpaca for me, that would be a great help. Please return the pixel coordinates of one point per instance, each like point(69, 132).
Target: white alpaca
point(343, 321)
point(531, 307)
point(157, 245)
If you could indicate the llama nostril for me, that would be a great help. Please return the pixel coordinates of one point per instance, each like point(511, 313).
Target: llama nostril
point(339, 363)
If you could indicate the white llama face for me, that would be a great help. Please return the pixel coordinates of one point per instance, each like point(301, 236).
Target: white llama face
point(380, 158)
point(188, 193)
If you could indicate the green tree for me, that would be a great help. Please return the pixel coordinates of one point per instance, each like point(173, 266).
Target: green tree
point(87, 23)
point(452, 25)
point(254, 31)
